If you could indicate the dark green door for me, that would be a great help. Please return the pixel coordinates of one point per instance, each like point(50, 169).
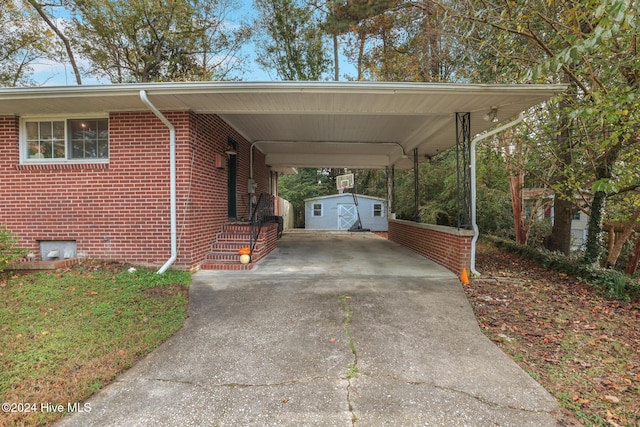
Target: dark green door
point(232, 182)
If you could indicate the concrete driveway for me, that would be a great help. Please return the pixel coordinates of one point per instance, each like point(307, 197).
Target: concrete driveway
point(329, 330)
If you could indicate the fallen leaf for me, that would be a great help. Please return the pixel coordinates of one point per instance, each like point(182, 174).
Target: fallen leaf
point(611, 399)
point(580, 400)
point(285, 400)
point(332, 340)
point(45, 332)
point(93, 293)
point(611, 417)
point(121, 352)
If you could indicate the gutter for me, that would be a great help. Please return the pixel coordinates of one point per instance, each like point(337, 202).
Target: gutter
point(472, 167)
point(172, 179)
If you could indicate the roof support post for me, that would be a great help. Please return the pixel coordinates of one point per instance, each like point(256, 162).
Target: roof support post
point(416, 187)
point(391, 189)
point(463, 170)
point(172, 181)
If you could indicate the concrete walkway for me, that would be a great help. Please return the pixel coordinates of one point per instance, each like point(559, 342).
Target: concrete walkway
point(329, 330)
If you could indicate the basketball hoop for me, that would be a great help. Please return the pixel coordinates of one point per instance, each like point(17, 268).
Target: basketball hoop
point(343, 182)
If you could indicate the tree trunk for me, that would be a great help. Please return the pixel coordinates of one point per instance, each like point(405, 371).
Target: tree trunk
point(593, 249)
point(634, 258)
point(336, 58)
point(560, 238)
point(515, 185)
point(614, 253)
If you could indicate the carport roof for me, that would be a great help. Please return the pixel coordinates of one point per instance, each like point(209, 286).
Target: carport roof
point(307, 124)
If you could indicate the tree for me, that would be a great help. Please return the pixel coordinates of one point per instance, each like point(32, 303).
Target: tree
point(394, 40)
point(305, 184)
point(157, 40)
point(592, 46)
point(291, 41)
point(39, 8)
point(22, 42)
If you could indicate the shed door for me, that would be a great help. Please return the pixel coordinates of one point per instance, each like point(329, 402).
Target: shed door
point(347, 216)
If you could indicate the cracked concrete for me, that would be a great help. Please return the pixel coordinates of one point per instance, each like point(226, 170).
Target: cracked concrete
point(273, 346)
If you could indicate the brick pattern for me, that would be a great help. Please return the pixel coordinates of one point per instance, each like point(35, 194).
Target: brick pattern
point(121, 210)
point(224, 252)
point(451, 250)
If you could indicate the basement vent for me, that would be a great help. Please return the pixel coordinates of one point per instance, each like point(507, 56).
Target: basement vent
point(57, 249)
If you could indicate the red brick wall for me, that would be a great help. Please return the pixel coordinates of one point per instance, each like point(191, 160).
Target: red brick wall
point(208, 193)
point(447, 246)
point(120, 210)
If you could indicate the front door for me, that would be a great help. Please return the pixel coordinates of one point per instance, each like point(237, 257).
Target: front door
point(232, 181)
point(347, 216)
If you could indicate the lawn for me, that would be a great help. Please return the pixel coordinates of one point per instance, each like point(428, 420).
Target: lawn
point(65, 334)
point(582, 347)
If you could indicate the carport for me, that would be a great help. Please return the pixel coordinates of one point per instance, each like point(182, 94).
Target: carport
point(383, 126)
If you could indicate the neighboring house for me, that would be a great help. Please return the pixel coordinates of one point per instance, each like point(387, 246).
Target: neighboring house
point(340, 212)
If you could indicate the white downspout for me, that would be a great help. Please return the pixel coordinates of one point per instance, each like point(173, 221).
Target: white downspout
point(172, 179)
point(472, 167)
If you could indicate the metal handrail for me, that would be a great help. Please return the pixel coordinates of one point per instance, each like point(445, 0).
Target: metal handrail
point(261, 214)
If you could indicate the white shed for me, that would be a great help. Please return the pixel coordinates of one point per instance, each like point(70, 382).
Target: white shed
point(340, 212)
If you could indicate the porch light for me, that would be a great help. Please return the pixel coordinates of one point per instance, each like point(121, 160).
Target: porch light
point(492, 115)
point(230, 151)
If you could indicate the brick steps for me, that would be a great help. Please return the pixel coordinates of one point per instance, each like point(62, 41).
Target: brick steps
point(224, 252)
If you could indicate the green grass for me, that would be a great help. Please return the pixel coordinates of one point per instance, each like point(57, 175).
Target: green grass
point(64, 335)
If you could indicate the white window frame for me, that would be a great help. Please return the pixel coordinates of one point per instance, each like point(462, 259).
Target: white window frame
point(313, 209)
point(24, 143)
point(373, 213)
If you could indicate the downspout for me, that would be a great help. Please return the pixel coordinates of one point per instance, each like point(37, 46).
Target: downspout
point(472, 167)
point(172, 179)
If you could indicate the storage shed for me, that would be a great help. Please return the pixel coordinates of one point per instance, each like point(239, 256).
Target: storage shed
point(340, 212)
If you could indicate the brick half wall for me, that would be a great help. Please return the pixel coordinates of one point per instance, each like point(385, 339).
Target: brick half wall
point(448, 246)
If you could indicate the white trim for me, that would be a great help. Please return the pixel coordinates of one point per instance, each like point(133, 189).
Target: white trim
point(24, 145)
point(373, 210)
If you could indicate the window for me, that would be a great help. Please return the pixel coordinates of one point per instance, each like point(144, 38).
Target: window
point(66, 140)
point(577, 216)
point(317, 209)
point(377, 209)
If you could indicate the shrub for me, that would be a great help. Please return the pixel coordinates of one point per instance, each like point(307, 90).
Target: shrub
point(612, 283)
point(9, 249)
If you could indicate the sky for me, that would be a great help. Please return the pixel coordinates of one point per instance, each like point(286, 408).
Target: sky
point(50, 73)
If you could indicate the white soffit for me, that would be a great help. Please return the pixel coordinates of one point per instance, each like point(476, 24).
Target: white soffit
point(308, 124)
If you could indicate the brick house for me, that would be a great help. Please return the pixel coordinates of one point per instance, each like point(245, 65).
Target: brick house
point(97, 184)
point(156, 174)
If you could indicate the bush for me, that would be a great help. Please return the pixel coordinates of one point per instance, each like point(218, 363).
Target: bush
point(612, 283)
point(9, 249)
